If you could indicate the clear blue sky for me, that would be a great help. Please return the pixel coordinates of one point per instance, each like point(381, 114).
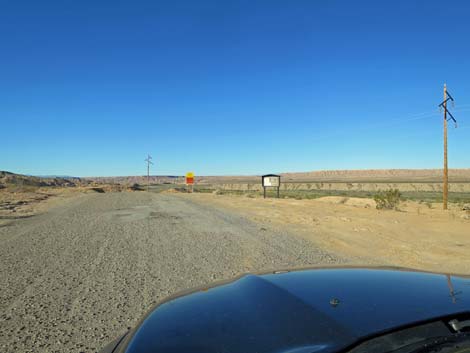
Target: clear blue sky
point(230, 87)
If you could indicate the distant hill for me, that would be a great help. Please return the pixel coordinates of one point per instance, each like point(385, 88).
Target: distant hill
point(56, 176)
point(137, 179)
point(8, 178)
point(378, 175)
point(368, 175)
point(364, 176)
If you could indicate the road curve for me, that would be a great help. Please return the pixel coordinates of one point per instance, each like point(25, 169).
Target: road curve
point(82, 273)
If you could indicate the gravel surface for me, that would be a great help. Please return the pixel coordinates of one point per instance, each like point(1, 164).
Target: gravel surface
point(79, 275)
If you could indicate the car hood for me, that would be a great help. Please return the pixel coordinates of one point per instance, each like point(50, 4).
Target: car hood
point(320, 310)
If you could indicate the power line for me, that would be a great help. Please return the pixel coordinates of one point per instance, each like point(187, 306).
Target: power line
point(385, 124)
point(149, 161)
point(396, 121)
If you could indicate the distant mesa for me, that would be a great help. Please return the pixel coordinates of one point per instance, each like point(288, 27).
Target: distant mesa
point(362, 176)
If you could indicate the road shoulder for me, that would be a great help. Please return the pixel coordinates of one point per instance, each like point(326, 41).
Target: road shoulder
point(417, 236)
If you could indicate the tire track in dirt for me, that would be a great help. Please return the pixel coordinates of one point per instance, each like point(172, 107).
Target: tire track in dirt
point(81, 274)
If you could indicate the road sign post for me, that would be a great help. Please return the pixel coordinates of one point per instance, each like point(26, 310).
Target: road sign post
point(190, 181)
point(271, 180)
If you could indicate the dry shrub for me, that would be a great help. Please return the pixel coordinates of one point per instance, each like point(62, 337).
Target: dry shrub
point(389, 199)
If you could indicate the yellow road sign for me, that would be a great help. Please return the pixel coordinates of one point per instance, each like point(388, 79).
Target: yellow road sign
point(189, 178)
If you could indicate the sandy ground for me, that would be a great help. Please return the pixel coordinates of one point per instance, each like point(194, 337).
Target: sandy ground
point(19, 205)
point(16, 205)
point(416, 236)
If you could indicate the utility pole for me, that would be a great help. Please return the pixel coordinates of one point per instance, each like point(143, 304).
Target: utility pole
point(445, 191)
point(445, 188)
point(149, 161)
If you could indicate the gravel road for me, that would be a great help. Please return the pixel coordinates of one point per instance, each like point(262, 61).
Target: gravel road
point(77, 276)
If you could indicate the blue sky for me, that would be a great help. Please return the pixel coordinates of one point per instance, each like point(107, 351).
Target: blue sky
point(230, 87)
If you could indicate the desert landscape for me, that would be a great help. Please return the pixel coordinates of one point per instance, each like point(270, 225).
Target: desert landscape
point(84, 258)
point(335, 210)
point(234, 177)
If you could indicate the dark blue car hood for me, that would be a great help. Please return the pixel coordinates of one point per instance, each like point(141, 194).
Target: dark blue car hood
point(322, 310)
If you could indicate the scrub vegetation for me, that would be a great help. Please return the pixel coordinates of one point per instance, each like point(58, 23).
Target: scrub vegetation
point(389, 199)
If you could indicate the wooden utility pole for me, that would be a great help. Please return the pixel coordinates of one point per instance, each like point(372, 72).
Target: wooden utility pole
point(447, 115)
point(445, 191)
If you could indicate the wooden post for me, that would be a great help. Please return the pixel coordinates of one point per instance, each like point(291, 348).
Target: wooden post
point(148, 176)
point(445, 190)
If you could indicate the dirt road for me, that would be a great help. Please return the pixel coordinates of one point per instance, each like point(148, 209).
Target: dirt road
point(78, 275)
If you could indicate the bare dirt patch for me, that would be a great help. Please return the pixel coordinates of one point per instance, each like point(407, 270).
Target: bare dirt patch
point(418, 235)
point(24, 202)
